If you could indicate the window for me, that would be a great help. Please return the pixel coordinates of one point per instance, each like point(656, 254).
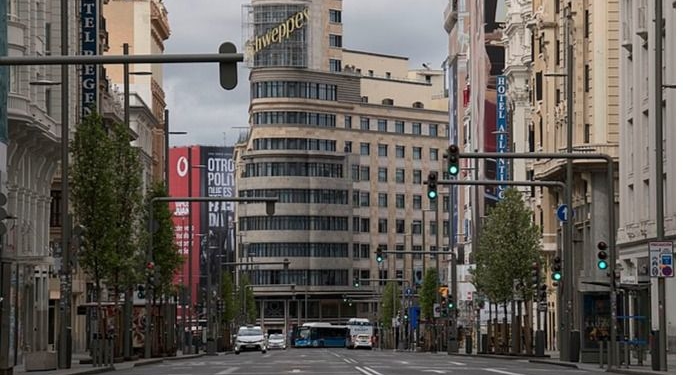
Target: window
point(417, 177)
point(335, 16)
point(417, 128)
point(557, 52)
point(399, 127)
point(48, 101)
point(446, 202)
point(400, 201)
point(586, 78)
point(400, 152)
point(335, 65)
point(586, 24)
point(417, 202)
point(364, 226)
point(557, 96)
point(348, 123)
point(355, 172)
point(348, 146)
point(364, 123)
point(365, 173)
point(586, 133)
point(48, 38)
point(387, 101)
point(363, 99)
point(400, 175)
point(417, 229)
point(417, 153)
point(432, 228)
point(371, 72)
point(382, 174)
point(335, 40)
point(433, 130)
point(382, 199)
point(418, 105)
point(382, 150)
point(539, 86)
point(387, 75)
point(433, 154)
point(400, 226)
point(400, 248)
point(364, 148)
point(382, 226)
point(381, 125)
point(364, 199)
point(55, 208)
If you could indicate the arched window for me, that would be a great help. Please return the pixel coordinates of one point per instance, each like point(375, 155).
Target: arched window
point(387, 101)
point(418, 105)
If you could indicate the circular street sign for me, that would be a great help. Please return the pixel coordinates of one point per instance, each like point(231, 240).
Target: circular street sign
point(667, 271)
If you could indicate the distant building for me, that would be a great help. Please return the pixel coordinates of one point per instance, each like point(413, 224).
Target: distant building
point(344, 139)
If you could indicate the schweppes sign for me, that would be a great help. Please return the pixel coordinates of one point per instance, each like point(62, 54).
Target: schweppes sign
point(280, 32)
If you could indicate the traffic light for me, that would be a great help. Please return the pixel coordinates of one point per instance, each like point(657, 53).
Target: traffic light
point(557, 268)
point(451, 304)
point(542, 294)
point(602, 255)
point(150, 274)
point(141, 291)
point(356, 282)
point(534, 274)
point(453, 160)
point(431, 185)
point(379, 255)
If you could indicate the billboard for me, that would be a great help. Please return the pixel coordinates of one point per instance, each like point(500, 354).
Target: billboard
point(204, 231)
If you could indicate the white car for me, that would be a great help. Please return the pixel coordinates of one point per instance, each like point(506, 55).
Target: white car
point(250, 338)
point(362, 341)
point(276, 341)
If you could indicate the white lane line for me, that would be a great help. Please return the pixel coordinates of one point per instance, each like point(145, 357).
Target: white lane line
point(457, 363)
point(227, 371)
point(363, 371)
point(351, 360)
point(501, 371)
point(372, 371)
point(347, 360)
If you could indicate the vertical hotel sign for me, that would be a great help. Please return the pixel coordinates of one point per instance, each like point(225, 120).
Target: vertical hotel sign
point(89, 37)
point(501, 131)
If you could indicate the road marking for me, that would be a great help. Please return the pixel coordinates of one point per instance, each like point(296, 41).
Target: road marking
point(227, 371)
point(436, 371)
point(501, 371)
point(457, 363)
point(350, 360)
point(368, 371)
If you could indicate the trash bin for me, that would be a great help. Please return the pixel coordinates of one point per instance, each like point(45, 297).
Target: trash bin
point(574, 346)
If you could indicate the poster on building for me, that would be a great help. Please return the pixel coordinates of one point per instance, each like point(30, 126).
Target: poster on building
point(217, 220)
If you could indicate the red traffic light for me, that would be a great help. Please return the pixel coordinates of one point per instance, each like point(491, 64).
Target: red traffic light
point(150, 265)
point(453, 149)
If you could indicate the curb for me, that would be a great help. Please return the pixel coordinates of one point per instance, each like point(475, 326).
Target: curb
point(555, 363)
point(634, 372)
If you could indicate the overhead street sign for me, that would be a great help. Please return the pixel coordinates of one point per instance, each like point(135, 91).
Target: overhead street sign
point(661, 258)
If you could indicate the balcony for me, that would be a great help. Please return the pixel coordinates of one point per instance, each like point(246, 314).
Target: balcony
point(642, 24)
point(626, 36)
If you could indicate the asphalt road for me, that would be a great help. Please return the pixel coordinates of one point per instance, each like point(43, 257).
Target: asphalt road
point(348, 362)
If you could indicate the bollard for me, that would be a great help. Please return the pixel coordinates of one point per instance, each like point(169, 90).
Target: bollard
point(601, 345)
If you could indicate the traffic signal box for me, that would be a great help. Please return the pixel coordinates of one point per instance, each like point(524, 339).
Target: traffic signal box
point(602, 256)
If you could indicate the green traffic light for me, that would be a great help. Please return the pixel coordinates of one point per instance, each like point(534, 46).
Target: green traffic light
point(453, 169)
point(557, 276)
point(431, 194)
point(450, 305)
point(379, 259)
point(602, 264)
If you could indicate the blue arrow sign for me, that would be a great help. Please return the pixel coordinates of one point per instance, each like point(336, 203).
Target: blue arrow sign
point(562, 212)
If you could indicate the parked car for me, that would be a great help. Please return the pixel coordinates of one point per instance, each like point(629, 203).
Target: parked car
point(250, 338)
point(277, 341)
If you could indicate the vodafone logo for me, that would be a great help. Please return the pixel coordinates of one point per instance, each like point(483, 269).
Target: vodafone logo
point(182, 166)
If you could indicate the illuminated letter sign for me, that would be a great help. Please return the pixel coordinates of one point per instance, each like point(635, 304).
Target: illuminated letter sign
point(89, 36)
point(501, 129)
point(280, 32)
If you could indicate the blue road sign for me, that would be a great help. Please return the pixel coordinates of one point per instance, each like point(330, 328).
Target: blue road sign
point(562, 212)
point(408, 292)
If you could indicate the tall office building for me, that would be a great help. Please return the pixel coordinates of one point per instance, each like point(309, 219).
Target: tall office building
point(344, 139)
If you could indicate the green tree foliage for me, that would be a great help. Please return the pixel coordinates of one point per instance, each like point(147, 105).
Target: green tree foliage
point(247, 302)
point(430, 285)
point(509, 243)
point(228, 296)
point(390, 303)
point(165, 254)
point(94, 197)
point(127, 203)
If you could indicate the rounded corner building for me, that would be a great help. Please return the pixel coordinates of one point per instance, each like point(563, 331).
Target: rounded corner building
point(344, 139)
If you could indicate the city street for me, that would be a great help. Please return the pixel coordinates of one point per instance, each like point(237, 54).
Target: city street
point(343, 361)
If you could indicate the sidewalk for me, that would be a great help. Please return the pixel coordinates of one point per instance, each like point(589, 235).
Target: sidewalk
point(553, 358)
point(82, 369)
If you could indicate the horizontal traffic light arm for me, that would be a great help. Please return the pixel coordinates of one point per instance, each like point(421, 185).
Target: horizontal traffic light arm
point(284, 263)
point(122, 59)
point(216, 199)
point(395, 280)
point(505, 182)
point(415, 252)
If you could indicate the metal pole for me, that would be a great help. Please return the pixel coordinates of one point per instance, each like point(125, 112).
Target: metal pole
point(659, 176)
point(128, 302)
point(64, 360)
point(166, 152)
point(568, 297)
point(190, 281)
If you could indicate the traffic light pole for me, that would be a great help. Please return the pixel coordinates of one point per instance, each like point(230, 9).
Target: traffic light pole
point(611, 221)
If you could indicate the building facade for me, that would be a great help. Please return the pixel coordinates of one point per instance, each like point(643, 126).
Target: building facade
point(344, 139)
point(637, 160)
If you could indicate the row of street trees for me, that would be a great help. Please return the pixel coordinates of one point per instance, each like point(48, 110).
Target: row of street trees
point(509, 243)
point(107, 198)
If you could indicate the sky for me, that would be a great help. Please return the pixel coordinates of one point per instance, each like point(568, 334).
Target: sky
point(214, 116)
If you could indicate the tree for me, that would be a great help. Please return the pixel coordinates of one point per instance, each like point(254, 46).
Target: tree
point(247, 302)
point(389, 303)
point(165, 254)
point(228, 296)
point(94, 199)
point(508, 233)
point(509, 244)
point(428, 289)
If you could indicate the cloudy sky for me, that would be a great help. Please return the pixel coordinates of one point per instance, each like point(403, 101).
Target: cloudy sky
point(211, 116)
